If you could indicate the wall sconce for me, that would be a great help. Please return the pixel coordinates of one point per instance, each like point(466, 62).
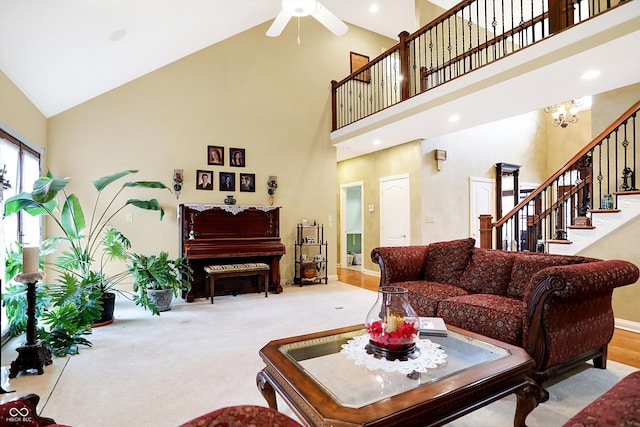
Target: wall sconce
point(178, 177)
point(272, 184)
point(440, 156)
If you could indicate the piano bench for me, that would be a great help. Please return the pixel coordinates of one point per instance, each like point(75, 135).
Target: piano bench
point(218, 271)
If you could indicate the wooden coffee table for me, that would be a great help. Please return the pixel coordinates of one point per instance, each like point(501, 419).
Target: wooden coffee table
point(324, 387)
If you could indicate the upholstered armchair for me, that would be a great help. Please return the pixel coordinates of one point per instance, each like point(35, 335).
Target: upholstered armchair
point(243, 415)
point(23, 412)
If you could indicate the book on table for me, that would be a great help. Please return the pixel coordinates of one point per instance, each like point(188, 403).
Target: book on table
point(434, 326)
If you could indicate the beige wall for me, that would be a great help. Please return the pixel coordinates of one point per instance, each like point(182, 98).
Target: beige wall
point(528, 140)
point(19, 115)
point(269, 96)
point(402, 159)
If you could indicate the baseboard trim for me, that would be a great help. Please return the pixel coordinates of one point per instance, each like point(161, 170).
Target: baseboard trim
point(372, 273)
point(627, 325)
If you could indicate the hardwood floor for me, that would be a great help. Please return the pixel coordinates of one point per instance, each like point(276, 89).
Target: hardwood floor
point(623, 348)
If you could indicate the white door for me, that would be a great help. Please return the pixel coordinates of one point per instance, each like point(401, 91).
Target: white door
point(482, 201)
point(395, 204)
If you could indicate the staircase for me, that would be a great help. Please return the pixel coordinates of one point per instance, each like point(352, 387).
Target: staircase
point(569, 211)
point(603, 222)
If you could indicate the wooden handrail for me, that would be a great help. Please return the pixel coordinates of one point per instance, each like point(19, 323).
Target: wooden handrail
point(371, 63)
point(567, 166)
point(565, 197)
point(403, 48)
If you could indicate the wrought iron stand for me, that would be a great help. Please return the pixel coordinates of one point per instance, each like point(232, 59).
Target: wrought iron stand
point(33, 354)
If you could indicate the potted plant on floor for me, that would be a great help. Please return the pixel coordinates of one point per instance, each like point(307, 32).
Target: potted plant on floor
point(157, 279)
point(85, 248)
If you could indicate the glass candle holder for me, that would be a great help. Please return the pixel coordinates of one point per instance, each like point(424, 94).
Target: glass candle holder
point(392, 325)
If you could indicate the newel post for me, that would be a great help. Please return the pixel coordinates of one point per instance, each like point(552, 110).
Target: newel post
point(486, 231)
point(334, 113)
point(404, 66)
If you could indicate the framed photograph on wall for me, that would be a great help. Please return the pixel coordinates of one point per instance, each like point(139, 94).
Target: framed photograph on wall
point(204, 180)
point(227, 181)
point(215, 155)
point(358, 61)
point(236, 156)
point(248, 182)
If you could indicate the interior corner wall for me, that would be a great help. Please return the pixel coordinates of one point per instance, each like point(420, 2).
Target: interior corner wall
point(19, 114)
point(267, 95)
point(564, 143)
point(401, 159)
point(474, 153)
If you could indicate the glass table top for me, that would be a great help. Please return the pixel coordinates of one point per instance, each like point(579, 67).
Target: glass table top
point(356, 386)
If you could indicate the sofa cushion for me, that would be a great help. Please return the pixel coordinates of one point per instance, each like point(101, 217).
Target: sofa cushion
point(488, 272)
point(526, 265)
point(495, 316)
point(446, 261)
point(424, 296)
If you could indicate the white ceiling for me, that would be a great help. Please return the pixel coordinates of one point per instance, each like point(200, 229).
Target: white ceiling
point(64, 52)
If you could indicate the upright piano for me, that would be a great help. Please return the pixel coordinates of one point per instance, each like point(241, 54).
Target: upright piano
point(229, 234)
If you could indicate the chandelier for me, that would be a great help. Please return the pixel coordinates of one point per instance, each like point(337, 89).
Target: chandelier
point(565, 112)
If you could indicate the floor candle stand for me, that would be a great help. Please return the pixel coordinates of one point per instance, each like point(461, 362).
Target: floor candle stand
point(33, 354)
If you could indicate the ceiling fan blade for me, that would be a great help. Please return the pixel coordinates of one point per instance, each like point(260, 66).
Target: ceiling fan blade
point(329, 20)
point(278, 24)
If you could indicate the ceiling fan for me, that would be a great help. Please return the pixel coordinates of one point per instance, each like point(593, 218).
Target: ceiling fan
point(301, 8)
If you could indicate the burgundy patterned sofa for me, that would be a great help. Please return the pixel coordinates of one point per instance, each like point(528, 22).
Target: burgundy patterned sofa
point(556, 307)
point(618, 407)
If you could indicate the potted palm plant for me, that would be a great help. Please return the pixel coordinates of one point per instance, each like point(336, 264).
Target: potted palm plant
point(85, 247)
point(157, 279)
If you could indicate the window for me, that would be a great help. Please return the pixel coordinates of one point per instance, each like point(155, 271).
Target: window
point(22, 165)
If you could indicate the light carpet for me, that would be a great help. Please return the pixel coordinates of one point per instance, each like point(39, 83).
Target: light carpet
point(163, 371)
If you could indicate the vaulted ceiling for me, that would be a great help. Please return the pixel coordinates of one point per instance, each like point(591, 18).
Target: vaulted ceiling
point(61, 53)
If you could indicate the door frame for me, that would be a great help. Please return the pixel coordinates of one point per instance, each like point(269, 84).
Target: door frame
point(343, 220)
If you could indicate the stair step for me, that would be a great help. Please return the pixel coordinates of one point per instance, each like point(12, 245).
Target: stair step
point(604, 210)
point(560, 242)
point(582, 236)
point(618, 193)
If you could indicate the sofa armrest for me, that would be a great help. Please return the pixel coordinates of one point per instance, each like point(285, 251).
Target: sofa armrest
point(580, 281)
point(400, 263)
point(568, 308)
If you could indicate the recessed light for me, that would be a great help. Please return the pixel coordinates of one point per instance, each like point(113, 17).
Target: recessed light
point(373, 8)
point(376, 142)
point(454, 118)
point(591, 74)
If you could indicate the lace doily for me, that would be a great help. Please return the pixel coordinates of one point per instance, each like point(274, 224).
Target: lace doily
point(233, 209)
point(431, 355)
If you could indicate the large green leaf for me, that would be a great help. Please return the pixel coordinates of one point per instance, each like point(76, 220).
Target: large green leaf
point(115, 244)
point(24, 201)
point(72, 217)
point(100, 184)
point(46, 189)
point(146, 184)
point(149, 205)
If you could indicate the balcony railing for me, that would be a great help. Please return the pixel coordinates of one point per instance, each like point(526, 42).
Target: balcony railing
point(471, 35)
point(588, 182)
